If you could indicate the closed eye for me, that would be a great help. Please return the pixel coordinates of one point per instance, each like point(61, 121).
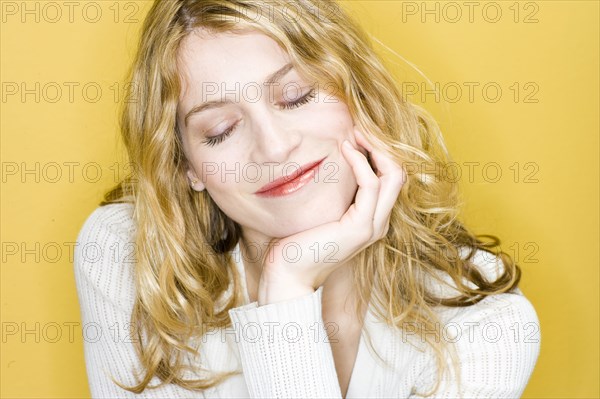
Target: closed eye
point(301, 101)
point(212, 141)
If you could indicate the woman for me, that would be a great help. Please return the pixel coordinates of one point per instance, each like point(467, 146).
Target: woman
point(286, 233)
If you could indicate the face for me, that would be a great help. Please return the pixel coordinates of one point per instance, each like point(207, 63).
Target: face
point(247, 118)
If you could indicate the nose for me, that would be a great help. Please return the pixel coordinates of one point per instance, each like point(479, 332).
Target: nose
point(275, 137)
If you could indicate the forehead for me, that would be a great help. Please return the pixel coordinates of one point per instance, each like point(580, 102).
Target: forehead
point(227, 60)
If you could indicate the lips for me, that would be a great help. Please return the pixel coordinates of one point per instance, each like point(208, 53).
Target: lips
point(293, 182)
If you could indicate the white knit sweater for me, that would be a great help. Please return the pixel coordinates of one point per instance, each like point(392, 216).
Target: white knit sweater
point(282, 348)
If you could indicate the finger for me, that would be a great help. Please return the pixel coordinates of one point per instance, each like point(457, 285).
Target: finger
point(382, 160)
point(362, 140)
point(388, 196)
point(392, 179)
point(368, 190)
point(365, 147)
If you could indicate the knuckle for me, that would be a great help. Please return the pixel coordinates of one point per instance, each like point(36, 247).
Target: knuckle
point(397, 175)
point(385, 232)
point(367, 232)
point(373, 183)
point(382, 232)
point(386, 228)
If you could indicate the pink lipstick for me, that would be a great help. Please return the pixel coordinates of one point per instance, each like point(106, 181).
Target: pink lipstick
point(288, 184)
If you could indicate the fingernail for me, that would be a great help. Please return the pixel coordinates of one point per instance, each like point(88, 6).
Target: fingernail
point(347, 144)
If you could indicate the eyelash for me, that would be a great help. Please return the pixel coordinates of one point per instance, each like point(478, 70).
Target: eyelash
point(212, 141)
point(301, 101)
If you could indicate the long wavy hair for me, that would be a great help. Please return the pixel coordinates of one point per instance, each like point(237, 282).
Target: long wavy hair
point(184, 262)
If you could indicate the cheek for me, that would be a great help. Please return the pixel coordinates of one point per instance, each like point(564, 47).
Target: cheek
point(224, 192)
point(222, 179)
point(213, 167)
point(227, 181)
point(331, 119)
point(338, 113)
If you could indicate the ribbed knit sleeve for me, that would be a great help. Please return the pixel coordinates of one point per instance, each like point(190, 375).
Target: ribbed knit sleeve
point(103, 265)
point(284, 349)
point(498, 343)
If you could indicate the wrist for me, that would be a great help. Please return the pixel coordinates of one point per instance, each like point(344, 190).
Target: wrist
point(273, 292)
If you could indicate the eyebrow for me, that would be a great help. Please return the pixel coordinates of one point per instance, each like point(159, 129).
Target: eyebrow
point(272, 78)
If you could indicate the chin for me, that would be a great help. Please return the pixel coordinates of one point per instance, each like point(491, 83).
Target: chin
point(303, 221)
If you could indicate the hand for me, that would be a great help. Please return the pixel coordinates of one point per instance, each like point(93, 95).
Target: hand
point(365, 222)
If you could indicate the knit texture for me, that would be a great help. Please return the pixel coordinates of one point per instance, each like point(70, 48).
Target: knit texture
point(282, 348)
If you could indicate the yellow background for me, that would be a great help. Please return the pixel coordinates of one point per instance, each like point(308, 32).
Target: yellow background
point(546, 215)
